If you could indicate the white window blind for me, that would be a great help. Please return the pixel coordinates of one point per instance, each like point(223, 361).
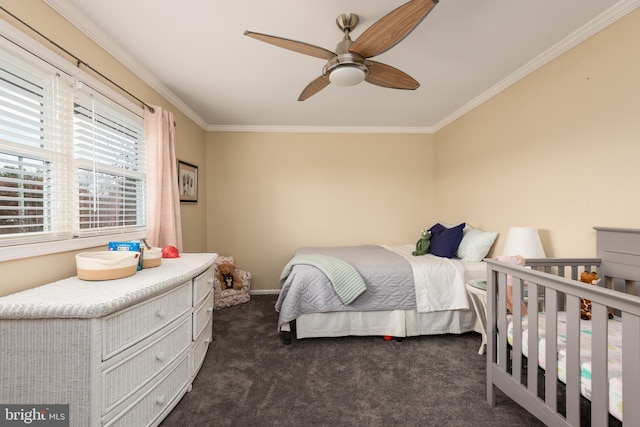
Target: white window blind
point(72, 160)
point(109, 161)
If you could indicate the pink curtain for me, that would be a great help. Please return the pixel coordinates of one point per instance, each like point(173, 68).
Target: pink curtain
point(163, 201)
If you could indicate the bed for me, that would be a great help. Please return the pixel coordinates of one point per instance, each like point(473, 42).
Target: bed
point(583, 375)
point(405, 295)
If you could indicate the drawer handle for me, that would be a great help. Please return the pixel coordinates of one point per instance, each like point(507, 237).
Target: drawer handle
point(160, 357)
point(210, 281)
point(161, 313)
point(208, 341)
point(160, 400)
point(209, 310)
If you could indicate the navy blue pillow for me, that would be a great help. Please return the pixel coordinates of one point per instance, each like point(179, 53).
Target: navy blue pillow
point(445, 241)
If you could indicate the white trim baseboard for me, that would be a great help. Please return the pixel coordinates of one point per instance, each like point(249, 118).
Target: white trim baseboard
point(264, 292)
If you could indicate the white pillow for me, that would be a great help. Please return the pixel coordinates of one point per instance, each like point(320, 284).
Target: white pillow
point(475, 244)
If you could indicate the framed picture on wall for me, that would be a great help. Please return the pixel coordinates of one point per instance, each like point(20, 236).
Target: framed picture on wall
point(187, 182)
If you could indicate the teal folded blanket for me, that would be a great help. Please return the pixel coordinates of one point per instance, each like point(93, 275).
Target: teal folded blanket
point(346, 280)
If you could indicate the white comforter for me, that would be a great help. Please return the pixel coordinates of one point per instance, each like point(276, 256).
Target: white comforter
point(430, 272)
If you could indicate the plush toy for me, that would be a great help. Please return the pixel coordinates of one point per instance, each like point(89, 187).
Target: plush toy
point(228, 277)
point(589, 278)
point(422, 245)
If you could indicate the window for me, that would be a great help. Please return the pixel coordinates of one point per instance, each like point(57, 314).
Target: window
point(72, 160)
point(109, 166)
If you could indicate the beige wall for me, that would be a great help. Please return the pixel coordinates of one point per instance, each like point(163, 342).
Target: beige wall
point(190, 141)
point(558, 150)
point(270, 193)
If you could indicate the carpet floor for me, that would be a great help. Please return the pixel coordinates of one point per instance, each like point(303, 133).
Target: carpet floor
point(249, 378)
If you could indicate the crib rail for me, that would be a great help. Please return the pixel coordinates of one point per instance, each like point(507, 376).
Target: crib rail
point(551, 286)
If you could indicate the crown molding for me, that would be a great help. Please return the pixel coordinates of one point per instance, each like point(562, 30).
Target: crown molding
point(608, 17)
point(320, 129)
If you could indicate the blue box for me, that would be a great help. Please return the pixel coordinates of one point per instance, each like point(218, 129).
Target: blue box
point(128, 246)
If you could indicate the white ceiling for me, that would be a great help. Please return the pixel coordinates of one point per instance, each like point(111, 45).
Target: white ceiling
point(195, 54)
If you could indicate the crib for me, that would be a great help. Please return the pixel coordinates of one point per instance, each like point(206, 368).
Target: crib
point(572, 381)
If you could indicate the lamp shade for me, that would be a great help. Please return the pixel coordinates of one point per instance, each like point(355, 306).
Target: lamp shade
point(523, 241)
point(347, 75)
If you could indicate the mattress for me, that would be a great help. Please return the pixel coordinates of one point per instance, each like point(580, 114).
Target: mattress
point(614, 355)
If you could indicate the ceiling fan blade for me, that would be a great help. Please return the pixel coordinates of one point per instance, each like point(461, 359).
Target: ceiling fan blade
point(392, 28)
point(296, 46)
point(387, 76)
point(314, 87)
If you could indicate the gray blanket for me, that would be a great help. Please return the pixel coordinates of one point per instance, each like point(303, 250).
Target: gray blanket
point(345, 279)
point(388, 278)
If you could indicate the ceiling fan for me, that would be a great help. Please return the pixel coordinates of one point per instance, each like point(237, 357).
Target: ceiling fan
point(350, 64)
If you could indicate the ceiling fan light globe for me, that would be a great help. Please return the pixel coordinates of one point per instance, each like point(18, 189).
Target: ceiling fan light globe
point(347, 75)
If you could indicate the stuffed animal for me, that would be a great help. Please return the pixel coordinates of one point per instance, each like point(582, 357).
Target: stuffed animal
point(422, 245)
point(228, 277)
point(589, 278)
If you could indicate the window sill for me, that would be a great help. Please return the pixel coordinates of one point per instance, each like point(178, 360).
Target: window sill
point(10, 253)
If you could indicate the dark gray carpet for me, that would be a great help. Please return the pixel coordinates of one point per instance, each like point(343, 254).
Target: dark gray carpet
point(249, 378)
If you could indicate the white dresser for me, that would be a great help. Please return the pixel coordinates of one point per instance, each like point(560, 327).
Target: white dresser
point(119, 352)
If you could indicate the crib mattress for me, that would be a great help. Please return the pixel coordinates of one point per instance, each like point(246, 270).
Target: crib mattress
point(614, 355)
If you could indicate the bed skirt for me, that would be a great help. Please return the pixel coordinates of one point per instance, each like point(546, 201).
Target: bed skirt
point(396, 323)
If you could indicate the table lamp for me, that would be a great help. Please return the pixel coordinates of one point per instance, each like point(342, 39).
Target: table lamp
point(523, 241)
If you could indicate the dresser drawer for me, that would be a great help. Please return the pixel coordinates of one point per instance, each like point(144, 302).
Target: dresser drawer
point(200, 347)
point(124, 328)
point(150, 405)
point(127, 376)
point(202, 285)
point(202, 314)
